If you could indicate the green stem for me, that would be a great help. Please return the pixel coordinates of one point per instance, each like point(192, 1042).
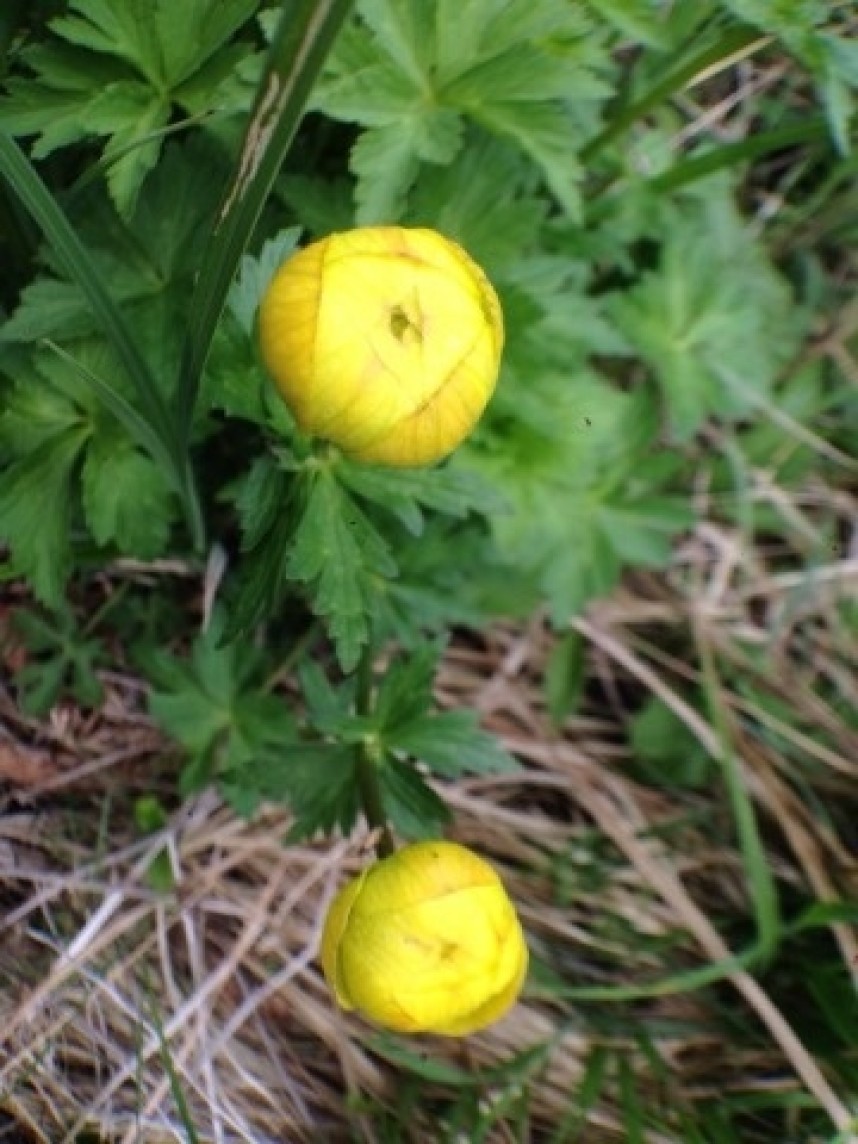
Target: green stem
point(304, 36)
point(807, 130)
point(734, 40)
point(366, 761)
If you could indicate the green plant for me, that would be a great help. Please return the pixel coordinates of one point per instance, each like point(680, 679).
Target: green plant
point(59, 657)
point(669, 240)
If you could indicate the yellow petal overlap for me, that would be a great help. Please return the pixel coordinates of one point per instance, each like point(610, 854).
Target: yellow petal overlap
point(384, 340)
point(426, 941)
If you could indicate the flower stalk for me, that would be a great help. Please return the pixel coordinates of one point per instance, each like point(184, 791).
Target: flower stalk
point(367, 760)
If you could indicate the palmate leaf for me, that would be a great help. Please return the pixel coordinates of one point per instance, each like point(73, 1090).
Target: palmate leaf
point(452, 490)
point(316, 780)
point(51, 417)
point(482, 201)
point(148, 262)
point(433, 592)
point(35, 513)
point(413, 75)
point(60, 656)
point(582, 502)
point(215, 707)
point(690, 319)
point(115, 70)
point(126, 498)
point(415, 810)
point(449, 743)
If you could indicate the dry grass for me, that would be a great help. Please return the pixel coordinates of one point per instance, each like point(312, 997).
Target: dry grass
point(621, 883)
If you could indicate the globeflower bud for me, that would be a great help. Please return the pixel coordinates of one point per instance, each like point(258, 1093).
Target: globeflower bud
point(385, 341)
point(425, 941)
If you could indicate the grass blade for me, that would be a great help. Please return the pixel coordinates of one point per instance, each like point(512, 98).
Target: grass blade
point(176, 1090)
point(136, 425)
point(304, 36)
point(585, 1099)
point(72, 255)
point(730, 154)
point(733, 41)
point(761, 881)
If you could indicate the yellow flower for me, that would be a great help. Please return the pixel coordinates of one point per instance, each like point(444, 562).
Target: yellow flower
point(425, 941)
point(384, 340)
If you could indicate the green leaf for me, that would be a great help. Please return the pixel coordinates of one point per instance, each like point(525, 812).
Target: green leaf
point(268, 501)
point(125, 413)
point(450, 744)
point(35, 513)
point(148, 261)
point(153, 421)
point(77, 264)
point(405, 691)
point(126, 495)
point(452, 490)
point(115, 70)
point(669, 753)
point(61, 657)
point(233, 382)
point(414, 808)
point(329, 707)
point(583, 500)
point(322, 205)
point(414, 75)
point(433, 592)
point(35, 411)
point(641, 20)
point(40, 685)
point(483, 201)
point(709, 350)
point(386, 163)
point(215, 707)
point(133, 120)
point(565, 675)
point(126, 498)
point(254, 274)
point(304, 529)
point(335, 550)
point(317, 782)
point(542, 131)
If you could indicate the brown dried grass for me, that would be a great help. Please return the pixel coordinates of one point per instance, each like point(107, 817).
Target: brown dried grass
point(98, 971)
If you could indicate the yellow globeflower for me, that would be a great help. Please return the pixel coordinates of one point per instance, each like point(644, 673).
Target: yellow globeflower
point(384, 340)
point(425, 941)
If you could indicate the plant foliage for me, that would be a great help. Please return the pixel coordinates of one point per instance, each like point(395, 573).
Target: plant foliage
point(672, 257)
